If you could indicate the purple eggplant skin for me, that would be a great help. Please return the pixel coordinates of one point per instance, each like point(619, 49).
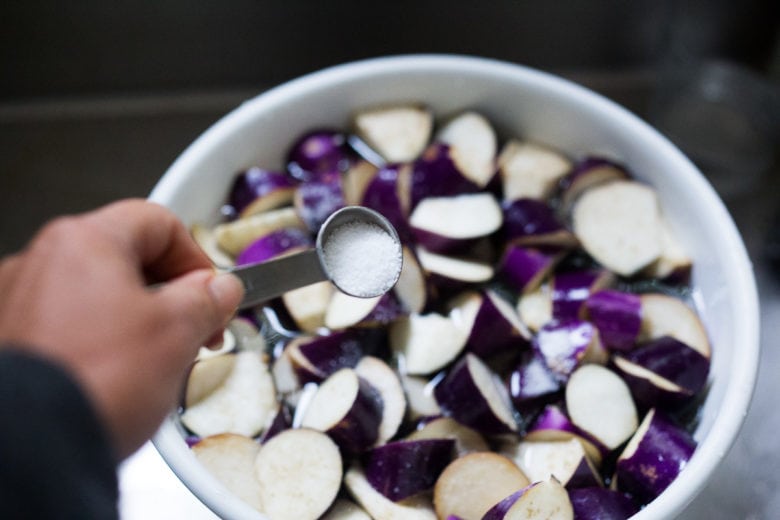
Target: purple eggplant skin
point(553, 418)
point(388, 309)
point(564, 345)
point(317, 199)
point(498, 511)
point(441, 244)
point(459, 397)
point(282, 421)
point(584, 476)
point(674, 361)
point(587, 173)
point(523, 268)
point(387, 194)
point(434, 174)
point(328, 354)
point(359, 428)
point(532, 222)
point(618, 317)
point(570, 290)
point(662, 452)
point(405, 468)
point(531, 384)
point(602, 503)
point(492, 333)
point(253, 183)
point(646, 393)
point(274, 244)
point(318, 152)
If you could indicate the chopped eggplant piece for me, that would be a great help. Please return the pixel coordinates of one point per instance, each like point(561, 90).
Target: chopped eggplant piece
point(618, 224)
point(447, 224)
point(553, 425)
point(600, 403)
point(316, 200)
point(419, 397)
point(532, 222)
point(564, 346)
point(207, 240)
point(427, 342)
point(664, 315)
point(405, 468)
point(473, 143)
point(474, 483)
point(473, 395)
point(318, 153)
point(653, 458)
point(300, 474)
point(234, 237)
point(571, 289)
point(231, 459)
point(388, 193)
point(244, 402)
point(601, 503)
point(530, 171)
point(588, 173)
point(524, 268)
point(532, 385)
point(275, 244)
point(411, 287)
point(567, 461)
point(386, 382)
point(355, 181)
point(378, 506)
point(308, 305)
point(398, 133)
point(436, 174)
point(542, 500)
point(453, 271)
point(343, 509)
point(535, 307)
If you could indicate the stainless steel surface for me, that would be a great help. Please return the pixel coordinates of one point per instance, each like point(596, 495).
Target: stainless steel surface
point(63, 158)
point(275, 277)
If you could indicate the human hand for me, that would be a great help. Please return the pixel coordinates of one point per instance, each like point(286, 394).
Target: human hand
point(79, 296)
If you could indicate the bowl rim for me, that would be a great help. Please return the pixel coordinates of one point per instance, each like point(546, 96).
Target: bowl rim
point(737, 395)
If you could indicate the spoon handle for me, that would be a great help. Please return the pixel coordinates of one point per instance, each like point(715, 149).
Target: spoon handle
point(275, 277)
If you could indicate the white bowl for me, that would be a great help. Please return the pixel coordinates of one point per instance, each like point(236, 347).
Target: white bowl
point(519, 102)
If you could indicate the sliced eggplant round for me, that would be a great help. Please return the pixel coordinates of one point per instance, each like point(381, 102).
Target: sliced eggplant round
point(618, 224)
point(231, 459)
point(347, 408)
point(567, 461)
point(300, 474)
point(427, 342)
point(599, 402)
point(473, 395)
point(235, 397)
point(474, 483)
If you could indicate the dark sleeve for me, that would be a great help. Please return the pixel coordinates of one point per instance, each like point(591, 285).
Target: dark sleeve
point(55, 459)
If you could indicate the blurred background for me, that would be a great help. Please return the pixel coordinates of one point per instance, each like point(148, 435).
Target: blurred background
point(98, 97)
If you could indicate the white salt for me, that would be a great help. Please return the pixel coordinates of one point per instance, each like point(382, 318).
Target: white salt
point(362, 259)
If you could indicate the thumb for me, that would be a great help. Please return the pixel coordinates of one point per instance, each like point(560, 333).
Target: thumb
point(200, 303)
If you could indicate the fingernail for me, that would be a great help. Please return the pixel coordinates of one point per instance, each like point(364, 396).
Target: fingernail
point(227, 290)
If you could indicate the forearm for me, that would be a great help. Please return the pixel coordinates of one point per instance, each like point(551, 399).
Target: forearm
point(55, 458)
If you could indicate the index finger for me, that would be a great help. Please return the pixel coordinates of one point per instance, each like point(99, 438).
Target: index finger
point(154, 237)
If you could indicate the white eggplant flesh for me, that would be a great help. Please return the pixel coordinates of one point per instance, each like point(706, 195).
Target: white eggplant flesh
point(453, 268)
point(244, 402)
point(234, 237)
point(308, 305)
point(530, 170)
point(474, 483)
point(619, 225)
point(467, 440)
point(300, 473)
point(411, 287)
point(600, 402)
point(343, 509)
point(473, 143)
point(664, 315)
point(230, 458)
point(427, 342)
point(398, 133)
point(207, 240)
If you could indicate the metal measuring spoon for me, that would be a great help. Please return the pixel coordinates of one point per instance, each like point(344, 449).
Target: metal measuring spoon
point(275, 277)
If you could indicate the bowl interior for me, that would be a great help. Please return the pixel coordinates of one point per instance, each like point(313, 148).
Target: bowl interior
point(519, 102)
